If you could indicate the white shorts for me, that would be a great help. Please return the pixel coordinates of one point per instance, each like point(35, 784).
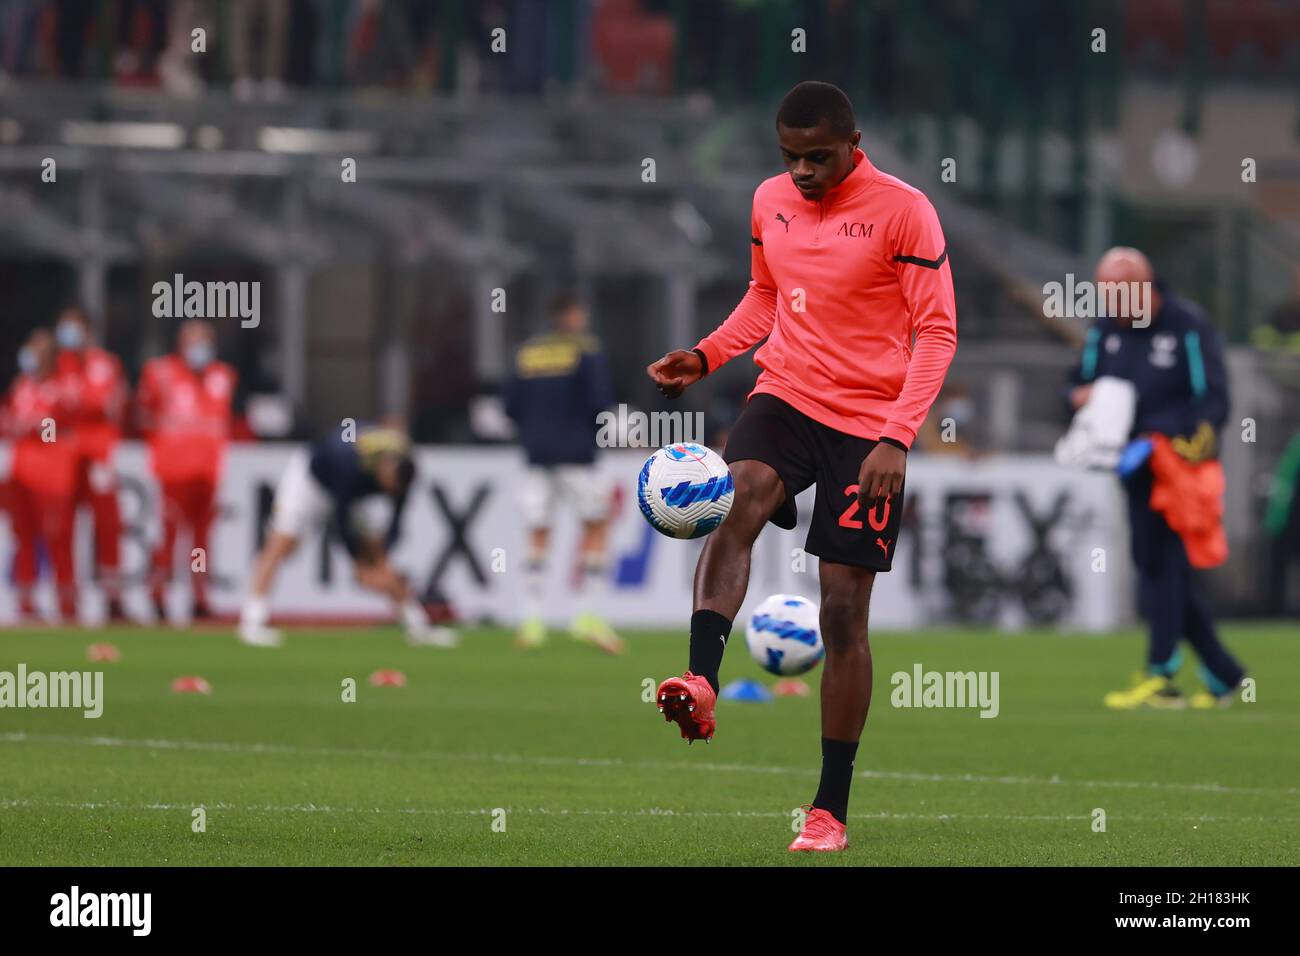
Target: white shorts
point(301, 502)
point(582, 487)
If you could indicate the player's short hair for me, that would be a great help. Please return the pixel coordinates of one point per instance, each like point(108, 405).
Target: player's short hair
point(812, 102)
point(561, 303)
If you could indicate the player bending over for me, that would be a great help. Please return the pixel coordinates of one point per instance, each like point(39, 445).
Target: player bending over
point(851, 287)
point(342, 479)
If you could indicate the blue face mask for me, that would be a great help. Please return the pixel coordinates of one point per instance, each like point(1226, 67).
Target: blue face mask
point(199, 355)
point(27, 361)
point(70, 335)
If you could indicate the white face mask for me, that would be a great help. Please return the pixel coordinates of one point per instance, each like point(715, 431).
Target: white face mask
point(27, 361)
point(70, 335)
point(198, 355)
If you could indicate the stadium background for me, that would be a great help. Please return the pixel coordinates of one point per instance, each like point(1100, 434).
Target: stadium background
point(524, 171)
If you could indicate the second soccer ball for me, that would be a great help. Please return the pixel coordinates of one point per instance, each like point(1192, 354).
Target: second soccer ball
point(784, 635)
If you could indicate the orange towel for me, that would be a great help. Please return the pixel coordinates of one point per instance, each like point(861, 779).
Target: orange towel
point(1190, 496)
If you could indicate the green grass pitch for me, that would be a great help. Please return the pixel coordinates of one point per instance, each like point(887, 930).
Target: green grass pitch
point(587, 772)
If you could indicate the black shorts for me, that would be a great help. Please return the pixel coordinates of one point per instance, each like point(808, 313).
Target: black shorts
point(805, 452)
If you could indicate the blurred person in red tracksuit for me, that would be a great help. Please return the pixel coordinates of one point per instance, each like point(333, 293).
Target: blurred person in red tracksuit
point(40, 414)
point(95, 377)
point(185, 403)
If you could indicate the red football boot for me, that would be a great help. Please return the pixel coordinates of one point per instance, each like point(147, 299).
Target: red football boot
point(821, 832)
point(689, 700)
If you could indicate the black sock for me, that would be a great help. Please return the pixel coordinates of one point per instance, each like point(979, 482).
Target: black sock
point(709, 632)
point(837, 774)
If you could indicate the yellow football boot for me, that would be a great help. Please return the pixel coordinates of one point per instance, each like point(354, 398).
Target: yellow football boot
point(588, 628)
point(1148, 690)
point(531, 634)
point(1204, 700)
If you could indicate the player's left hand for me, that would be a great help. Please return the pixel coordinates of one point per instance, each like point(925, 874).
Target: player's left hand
point(881, 474)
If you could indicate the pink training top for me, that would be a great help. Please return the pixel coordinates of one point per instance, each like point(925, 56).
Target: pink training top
point(841, 288)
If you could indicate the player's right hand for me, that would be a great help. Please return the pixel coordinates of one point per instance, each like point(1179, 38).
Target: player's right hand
point(675, 371)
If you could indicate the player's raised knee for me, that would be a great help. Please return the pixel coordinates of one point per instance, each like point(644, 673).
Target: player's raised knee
point(758, 493)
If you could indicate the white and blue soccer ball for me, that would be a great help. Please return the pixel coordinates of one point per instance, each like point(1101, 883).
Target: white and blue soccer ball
point(784, 635)
point(685, 490)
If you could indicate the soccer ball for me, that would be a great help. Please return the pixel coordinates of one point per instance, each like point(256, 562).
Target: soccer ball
point(783, 635)
point(684, 490)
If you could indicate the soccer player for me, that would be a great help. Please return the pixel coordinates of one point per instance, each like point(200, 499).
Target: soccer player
point(40, 416)
point(100, 385)
point(559, 385)
point(185, 403)
point(851, 287)
point(340, 479)
point(1176, 365)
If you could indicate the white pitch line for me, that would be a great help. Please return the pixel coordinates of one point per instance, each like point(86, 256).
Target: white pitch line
point(118, 806)
point(614, 762)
